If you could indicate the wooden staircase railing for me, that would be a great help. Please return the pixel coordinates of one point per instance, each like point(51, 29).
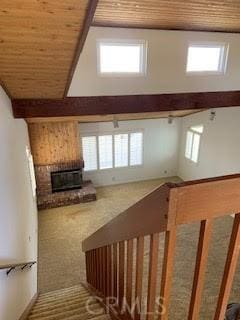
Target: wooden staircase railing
point(113, 267)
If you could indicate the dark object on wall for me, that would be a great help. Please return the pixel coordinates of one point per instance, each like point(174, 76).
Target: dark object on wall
point(233, 311)
point(66, 180)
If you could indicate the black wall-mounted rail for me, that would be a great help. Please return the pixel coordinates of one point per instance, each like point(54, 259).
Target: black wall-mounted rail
point(12, 266)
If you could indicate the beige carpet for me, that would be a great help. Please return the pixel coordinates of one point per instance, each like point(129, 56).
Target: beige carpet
point(61, 231)
point(62, 264)
point(73, 303)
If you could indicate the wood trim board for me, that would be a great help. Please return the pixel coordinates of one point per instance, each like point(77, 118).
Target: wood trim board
point(28, 309)
point(81, 40)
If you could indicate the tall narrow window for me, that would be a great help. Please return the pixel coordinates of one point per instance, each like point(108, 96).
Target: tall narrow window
point(105, 152)
point(89, 147)
point(121, 150)
point(121, 57)
point(136, 151)
point(193, 143)
point(188, 150)
point(31, 170)
point(195, 147)
point(209, 58)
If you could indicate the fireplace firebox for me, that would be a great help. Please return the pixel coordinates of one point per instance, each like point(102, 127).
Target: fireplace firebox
point(66, 180)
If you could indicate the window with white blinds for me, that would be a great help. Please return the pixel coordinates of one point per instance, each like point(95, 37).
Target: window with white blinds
point(89, 148)
point(121, 150)
point(105, 148)
point(136, 148)
point(112, 150)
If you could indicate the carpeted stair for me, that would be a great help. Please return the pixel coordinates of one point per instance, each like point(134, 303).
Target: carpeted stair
point(67, 304)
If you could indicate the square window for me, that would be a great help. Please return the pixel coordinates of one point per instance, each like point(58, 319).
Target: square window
point(121, 57)
point(209, 58)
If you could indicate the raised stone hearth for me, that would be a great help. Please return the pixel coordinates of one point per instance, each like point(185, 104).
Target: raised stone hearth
point(46, 198)
point(86, 194)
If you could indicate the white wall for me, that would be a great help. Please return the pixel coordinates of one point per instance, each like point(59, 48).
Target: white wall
point(167, 55)
point(160, 152)
point(220, 145)
point(164, 148)
point(18, 215)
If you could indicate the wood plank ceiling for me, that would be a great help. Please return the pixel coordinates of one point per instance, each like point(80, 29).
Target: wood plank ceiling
point(38, 40)
point(205, 15)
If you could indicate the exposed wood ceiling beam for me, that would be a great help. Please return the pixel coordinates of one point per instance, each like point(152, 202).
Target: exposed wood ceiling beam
point(81, 40)
point(102, 105)
point(145, 27)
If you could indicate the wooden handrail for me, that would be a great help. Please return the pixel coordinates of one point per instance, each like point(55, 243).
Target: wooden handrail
point(168, 205)
point(206, 199)
point(110, 251)
point(11, 266)
point(149, 215)
point(14, 265)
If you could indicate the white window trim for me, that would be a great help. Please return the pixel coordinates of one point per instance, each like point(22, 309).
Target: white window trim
point(223, 57)
point(126, 42)
point(197, 133)
point(113, 153)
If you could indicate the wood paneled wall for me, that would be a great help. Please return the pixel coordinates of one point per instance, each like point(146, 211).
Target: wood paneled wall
point(54, 142)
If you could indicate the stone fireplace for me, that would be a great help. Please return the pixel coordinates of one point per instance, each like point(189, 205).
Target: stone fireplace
point(58, 164)
point(68, 187)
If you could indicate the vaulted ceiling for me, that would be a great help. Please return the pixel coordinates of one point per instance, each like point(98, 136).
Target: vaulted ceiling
point(40, 40)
